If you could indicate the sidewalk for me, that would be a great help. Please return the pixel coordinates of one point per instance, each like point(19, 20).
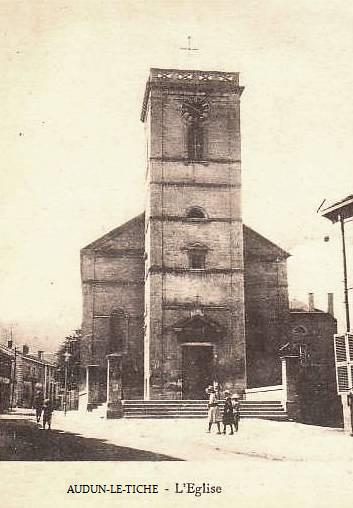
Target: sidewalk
point(187, 438)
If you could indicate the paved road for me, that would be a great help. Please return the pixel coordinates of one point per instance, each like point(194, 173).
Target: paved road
point(21, 439)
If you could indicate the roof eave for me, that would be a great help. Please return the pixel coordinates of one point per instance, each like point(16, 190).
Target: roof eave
point(340, 209)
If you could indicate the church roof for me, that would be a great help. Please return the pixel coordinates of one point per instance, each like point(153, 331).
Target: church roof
point(104, 241)
point(132, 232)
point(257, 245)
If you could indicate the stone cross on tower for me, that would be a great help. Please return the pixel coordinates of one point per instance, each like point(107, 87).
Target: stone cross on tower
point(197, 309)
point(189, 48)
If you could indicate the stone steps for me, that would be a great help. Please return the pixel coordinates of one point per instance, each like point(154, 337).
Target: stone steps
point(99, 410)
point(178, 414)
point(270, 410)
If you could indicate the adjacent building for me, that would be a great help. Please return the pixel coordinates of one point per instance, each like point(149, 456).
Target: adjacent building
point(6, 362)
point(310, 336)
point(21, 373)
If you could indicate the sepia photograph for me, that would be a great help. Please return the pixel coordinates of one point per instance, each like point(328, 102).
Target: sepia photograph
point(176, 237)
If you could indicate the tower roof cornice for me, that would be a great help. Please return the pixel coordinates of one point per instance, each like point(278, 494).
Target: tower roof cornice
point(192, 75)
point(190, 78)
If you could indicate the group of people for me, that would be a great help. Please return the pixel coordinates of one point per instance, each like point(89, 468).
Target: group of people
point(43, 407)
point(231, 410)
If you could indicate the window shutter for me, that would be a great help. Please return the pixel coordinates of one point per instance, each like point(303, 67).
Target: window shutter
point(342, 378)
point(340, 349)
point(350, 346)
point(343, 345)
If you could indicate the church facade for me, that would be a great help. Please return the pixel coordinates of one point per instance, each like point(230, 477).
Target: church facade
point(184, 294)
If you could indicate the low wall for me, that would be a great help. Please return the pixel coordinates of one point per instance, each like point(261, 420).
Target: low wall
point(82, 401)
point(265, 393)
point(346, 410)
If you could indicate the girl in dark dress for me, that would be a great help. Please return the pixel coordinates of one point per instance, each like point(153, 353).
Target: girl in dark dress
point(38, 404)
point(236, 411)
point(228, 417)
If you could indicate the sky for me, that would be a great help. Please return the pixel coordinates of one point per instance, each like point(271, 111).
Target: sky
point(72, 144)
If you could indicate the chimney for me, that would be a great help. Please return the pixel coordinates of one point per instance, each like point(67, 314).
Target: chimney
point(311, 302)
point(25, 349)
point(330, 309)
point(40, 355)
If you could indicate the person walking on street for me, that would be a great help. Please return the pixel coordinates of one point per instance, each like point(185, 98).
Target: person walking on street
point(47, 413)
point(228, 417)
point(38, 404)
point(214, 413)
point(236, 411)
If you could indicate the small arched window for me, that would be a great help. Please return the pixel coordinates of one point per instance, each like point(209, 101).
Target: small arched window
point(196, 212)
point(300, 330)
point(194, 111)
point(197, 259)
point(195, 141)
point(197, 256)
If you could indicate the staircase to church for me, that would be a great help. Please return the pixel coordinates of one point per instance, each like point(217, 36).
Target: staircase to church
point(269, 410)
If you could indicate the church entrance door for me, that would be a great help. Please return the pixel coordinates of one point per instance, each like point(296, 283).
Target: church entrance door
point(197, 370)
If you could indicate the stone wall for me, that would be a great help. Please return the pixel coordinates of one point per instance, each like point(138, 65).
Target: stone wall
point(116, 281)
point(112, 270)
point(267, 308)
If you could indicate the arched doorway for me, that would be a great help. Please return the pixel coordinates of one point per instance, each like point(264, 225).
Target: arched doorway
point(198, 337)
point(197, 369)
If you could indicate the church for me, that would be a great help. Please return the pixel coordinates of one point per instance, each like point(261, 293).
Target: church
point(184, 294)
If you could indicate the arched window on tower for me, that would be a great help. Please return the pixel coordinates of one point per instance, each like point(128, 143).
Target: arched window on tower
point(195, 112)
point(195, 141)
point(197, 256)
point(119, 324)
point(197, 259)
point(195, 212)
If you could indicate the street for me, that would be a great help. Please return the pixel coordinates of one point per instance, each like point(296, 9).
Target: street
point(266, 464)
point(86, 436)
point(22, 439)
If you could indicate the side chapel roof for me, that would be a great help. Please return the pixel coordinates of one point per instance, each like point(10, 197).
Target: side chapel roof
point(131, 235)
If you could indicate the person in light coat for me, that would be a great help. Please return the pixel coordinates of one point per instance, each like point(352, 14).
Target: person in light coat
point(214, 413)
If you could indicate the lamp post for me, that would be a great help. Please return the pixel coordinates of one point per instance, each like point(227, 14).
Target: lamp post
point(345, 283)
point(341, 212)
point(66, 358)
point(13, 379)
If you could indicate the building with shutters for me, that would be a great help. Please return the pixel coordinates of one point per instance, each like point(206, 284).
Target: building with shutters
point(21, 373)
point(6, 361)
point(343, 345)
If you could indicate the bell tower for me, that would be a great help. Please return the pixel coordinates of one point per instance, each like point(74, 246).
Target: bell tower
point(194, 330)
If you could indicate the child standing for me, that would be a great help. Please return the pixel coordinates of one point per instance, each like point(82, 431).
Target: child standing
point(228, 417)
point(47, 413)
point(38, 404)
point(236, 411)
